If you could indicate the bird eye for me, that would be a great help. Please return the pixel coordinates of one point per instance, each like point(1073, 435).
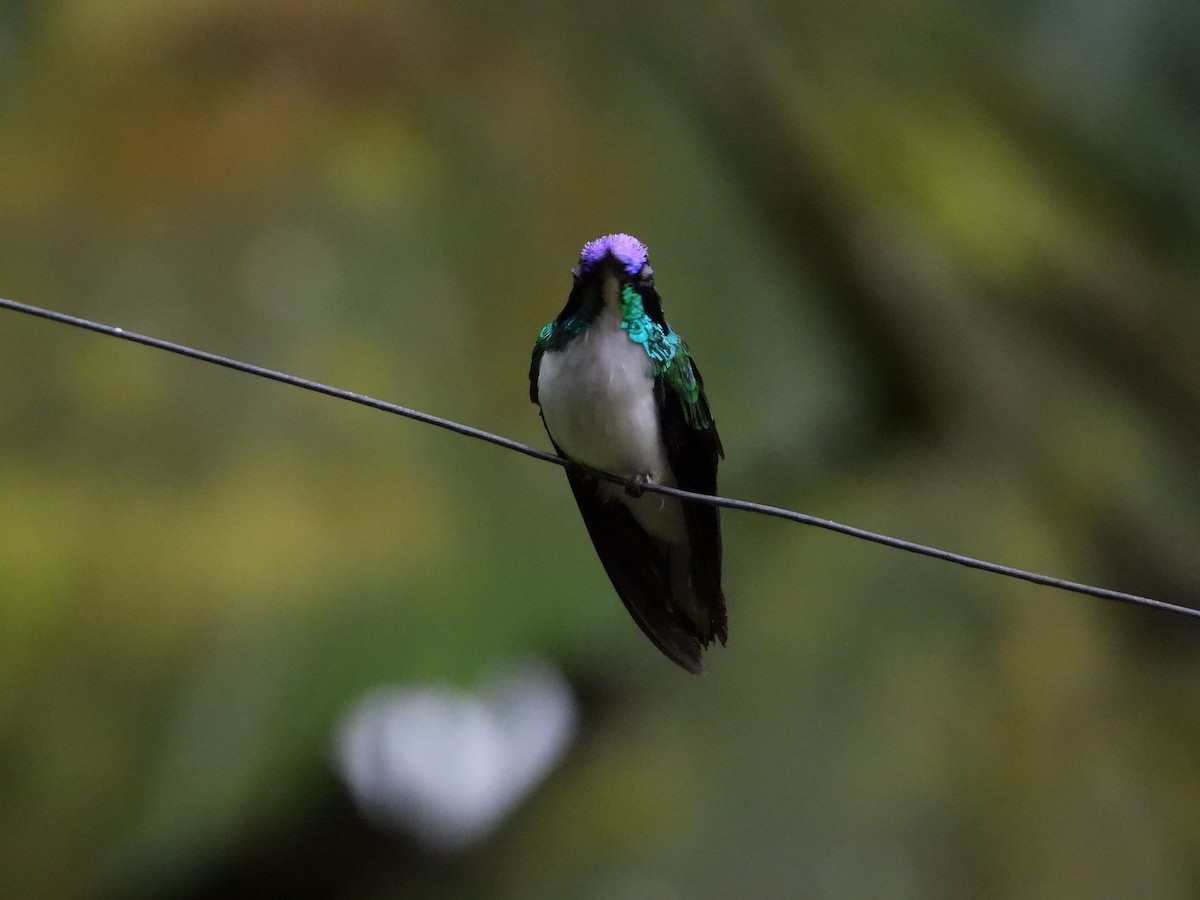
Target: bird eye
point(646, 276)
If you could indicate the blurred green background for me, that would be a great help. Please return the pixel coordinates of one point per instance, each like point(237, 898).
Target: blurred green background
point(938, 262)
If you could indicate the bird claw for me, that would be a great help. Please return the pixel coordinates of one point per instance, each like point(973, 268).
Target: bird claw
point(636, 486)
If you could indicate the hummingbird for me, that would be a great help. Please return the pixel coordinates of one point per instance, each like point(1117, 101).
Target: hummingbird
point(619, 392)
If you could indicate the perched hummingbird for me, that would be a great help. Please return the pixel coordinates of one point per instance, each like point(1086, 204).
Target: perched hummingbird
point(619, 393)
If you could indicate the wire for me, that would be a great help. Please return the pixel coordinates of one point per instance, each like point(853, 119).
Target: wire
point(293, 380)
point(517, 446)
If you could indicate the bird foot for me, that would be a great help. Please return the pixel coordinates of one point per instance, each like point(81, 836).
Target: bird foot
point(636, 486)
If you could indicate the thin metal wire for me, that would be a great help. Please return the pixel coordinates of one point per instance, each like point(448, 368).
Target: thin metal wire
point(517, 446)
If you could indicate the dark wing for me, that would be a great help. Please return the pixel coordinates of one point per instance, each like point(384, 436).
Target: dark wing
point(631, 557)
point(535, 364)
point(638, 572)
point(693, 449)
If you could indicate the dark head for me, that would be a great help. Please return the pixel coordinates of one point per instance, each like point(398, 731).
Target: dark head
point(608, 267)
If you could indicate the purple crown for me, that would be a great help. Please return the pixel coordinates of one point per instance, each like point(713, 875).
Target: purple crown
point(624, 248)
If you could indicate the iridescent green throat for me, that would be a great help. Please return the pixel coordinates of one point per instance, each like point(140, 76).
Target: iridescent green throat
point(660, 344)
point(668, 353)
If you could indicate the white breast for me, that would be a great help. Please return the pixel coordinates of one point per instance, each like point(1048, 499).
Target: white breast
point(597, 397)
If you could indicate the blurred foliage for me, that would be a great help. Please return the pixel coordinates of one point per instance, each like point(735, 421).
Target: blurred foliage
point(938, 262)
